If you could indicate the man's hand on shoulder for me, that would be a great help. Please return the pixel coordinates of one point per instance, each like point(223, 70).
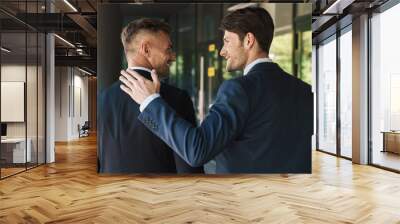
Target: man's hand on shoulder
point(138, 87)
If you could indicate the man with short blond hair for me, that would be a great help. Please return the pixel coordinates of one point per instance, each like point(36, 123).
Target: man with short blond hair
point(125, 144)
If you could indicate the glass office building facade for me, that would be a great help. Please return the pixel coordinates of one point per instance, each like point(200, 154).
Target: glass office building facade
point(22, 79)
point(345, 88)
point(385, 89)
point(335, 93)
point(327, 80)
point(378, 82)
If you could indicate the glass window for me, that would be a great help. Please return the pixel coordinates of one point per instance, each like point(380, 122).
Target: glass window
point(183, 71)
point(327, 96)
point(14, 151)
point(31, 100)
point(22, 91)
point(41, 79)
point(346, 93)
point(385, 89)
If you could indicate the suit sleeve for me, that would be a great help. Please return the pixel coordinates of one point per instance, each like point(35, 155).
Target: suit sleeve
point(198, 145)
point(187, 112)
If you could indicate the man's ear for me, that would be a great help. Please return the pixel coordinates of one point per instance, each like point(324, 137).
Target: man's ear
point(249, 40)
point(145, 48)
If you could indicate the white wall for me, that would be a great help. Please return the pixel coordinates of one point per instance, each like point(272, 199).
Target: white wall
point(80, 110)
point(13, 73)
point(71, 102)
point(61, 103)
point(33, 126)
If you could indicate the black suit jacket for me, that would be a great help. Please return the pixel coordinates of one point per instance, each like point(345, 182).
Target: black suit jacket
point(125, 145)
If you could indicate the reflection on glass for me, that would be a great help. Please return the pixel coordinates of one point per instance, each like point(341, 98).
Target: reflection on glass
point(22, 92)
point(183, 71)
point(394, 102)
point(385, 89)
point(327, 96)
point(31, 101)
point(14, 146)
point(345, 94)
point(41, 99)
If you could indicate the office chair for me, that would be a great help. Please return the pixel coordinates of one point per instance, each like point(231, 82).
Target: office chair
point(84, 130)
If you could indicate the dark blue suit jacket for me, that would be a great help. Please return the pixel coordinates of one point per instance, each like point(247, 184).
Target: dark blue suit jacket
point(259, 123)
point(125, 145)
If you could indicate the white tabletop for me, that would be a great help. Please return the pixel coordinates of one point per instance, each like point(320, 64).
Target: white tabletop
point(13, 140)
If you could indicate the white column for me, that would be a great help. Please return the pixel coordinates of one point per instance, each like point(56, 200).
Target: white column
point(50, 110)
point(50, 93)
point(360, 90)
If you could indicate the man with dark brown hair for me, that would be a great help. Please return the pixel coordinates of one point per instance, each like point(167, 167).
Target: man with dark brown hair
point(125, 144)
point(259, 123)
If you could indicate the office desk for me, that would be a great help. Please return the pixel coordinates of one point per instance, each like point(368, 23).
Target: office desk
point(13, 150)
point(391, 141)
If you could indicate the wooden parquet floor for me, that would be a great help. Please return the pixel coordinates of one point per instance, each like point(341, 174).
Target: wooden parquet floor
point(70, 191)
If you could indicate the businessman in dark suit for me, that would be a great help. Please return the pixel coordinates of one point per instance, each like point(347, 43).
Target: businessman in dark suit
point(259, 123)
point(125, 144)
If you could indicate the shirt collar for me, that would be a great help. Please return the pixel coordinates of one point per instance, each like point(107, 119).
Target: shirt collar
point(140, 68)
point(257, 61)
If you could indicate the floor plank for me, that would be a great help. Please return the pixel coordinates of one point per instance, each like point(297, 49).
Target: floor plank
point(70, 191)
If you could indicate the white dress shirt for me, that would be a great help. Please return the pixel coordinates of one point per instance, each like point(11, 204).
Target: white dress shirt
point(140, 68)
point(246, 70)
point(257, 61)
